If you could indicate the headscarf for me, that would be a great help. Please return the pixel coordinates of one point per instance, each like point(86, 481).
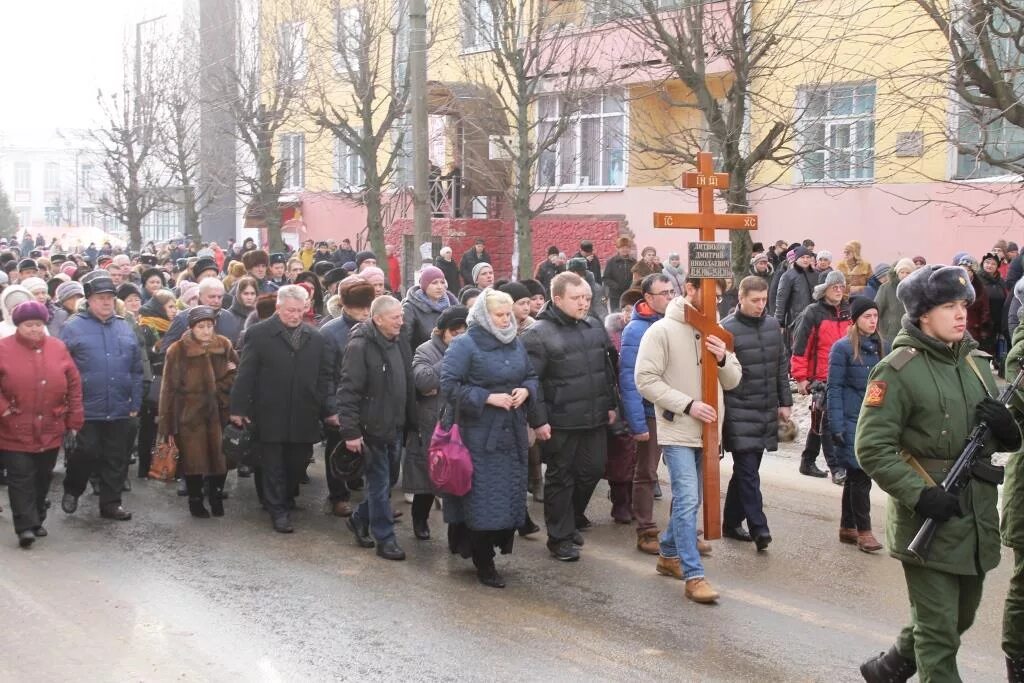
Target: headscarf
point(478, 316)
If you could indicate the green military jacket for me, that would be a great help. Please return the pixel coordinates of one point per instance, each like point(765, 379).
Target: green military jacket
point(1013, 487)
point(921, 399)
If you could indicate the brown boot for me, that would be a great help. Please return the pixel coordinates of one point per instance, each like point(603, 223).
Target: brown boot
point(647, 542)
point(848, 536)
point(342, 509)
point(867, 542)
point(699, 590)
point(703, 547)
point(669, 566)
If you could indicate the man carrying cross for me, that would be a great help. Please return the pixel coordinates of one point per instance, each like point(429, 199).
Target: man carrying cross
point(669, 374)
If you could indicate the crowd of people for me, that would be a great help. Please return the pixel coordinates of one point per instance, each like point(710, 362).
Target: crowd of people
point(580, 373)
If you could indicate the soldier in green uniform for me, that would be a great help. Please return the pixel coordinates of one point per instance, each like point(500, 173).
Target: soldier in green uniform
point(921, 403)
point(1013, 531)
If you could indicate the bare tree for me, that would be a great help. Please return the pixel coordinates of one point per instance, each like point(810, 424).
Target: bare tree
point(180, 145)
point(358, 94)
point(532, 76)
point(711, 71)
point(261, 91)
point(127, 144)
point(8, 219)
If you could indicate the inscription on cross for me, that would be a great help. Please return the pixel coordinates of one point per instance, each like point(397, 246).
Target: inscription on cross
point(705, 321)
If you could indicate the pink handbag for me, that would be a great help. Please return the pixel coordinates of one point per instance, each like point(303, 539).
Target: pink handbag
point(449, 462)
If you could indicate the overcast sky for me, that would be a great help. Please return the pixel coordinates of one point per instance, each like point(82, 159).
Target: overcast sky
point(54, 54)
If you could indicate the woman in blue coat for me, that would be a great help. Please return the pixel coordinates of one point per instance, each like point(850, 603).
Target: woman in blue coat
point(849, 364)
point(487, 379)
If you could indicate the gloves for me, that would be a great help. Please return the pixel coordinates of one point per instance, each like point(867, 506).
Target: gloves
point(1000, 422)
point(839, 439)
point(938, 505)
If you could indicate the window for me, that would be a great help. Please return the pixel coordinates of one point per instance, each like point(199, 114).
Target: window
point(89, 217)
point(22, 176)
point(53, 215)
point(162, 223)
point(293, 160)
point(85, 178)
point(591, 151)
point(349, 27)
point(478, 24)
point(292, 55)
point(348, 168)
point(602, 11)
point(837, 132)
point(51, 177)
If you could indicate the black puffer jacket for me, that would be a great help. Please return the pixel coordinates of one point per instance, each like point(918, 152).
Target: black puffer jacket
point(752, 408)
point(571, 359)
point(796, 288)
point(376, 396)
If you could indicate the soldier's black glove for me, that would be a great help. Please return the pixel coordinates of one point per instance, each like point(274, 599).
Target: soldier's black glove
point(1000, 422)
point(936, 503)
point(839, 439)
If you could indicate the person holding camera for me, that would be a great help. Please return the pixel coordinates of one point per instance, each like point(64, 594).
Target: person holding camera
point(821, 325)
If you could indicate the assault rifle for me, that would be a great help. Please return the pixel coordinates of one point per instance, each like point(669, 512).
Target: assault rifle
point(960, 473)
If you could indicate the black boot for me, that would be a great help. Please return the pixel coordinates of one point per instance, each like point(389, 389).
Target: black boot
point(809, 468)
point(420, 529)
point(529, 527)
point(194, 490)
point(1015, 670)
point(196, 507)
point(216, 503)
point(888, 667)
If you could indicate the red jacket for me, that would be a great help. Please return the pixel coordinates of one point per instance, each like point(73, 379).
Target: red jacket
point(40, 384)
point(394, 274)
point(822, 326)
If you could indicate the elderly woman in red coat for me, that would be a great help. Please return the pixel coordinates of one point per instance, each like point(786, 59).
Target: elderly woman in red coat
point(40, 400)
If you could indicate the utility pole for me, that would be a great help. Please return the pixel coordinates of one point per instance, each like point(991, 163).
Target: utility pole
point(418, 97)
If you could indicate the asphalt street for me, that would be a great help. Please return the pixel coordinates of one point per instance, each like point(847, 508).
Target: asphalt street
point(166, 597)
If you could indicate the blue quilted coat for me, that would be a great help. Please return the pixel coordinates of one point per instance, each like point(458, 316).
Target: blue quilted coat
point(475, 366)
point(847, 380)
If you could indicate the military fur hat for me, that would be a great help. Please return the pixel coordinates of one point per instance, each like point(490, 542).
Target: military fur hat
point(356, 292)
point(933, 285)
point(256, 257)
point(834, 277)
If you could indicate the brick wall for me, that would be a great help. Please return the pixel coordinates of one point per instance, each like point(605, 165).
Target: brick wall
point(564, 231)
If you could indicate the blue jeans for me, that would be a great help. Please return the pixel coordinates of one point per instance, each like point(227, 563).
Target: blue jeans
point(680, 536)
point(376, 506)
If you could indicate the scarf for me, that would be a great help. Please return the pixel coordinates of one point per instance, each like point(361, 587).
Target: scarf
point(436, 306)
point(479, 317)
point(161, 325)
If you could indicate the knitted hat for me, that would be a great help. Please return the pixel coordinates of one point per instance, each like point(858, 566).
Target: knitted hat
point(934, 285)
point(356, 292)
point(69, 268)
point(350, 266)
point(68, 290)
point(904, 264)
point(757, 258)
point(126, 290)
point(373, 273)
point(835, 277)
point(429, 274)
point(801, 251)
point(881, 270)
point(1012, 246)
point(29, 310)
point(200, 313)
point(33, 284)
point(861, 305)
point(967, 261)
point(28, 264)
point(825, 254)
point(254, 258)
point(362, 256)
point(187, 290)
point(452, 317)
point(577, 264)
point(535, 288)
point(479, 267)
point(516, 290)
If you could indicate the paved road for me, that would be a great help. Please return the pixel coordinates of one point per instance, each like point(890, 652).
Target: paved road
point(166, 597)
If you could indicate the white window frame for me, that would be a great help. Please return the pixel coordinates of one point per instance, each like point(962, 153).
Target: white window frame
point(51, 177)
point(292, 61)
point(602, 11)
point(575, 134)
point(293, 158)
point(348, 27)
point(477, 17)
point(349, 174)
point(23, 172)
point(856, 124)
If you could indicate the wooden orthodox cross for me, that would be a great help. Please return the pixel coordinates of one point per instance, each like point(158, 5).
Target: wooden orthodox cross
point(705, 321)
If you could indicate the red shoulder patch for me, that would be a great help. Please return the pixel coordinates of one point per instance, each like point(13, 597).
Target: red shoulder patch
point(874, 396)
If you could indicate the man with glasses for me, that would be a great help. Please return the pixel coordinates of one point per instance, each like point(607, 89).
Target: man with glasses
point(639, 412)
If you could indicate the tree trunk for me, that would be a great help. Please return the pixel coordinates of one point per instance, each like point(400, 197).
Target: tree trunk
point(375, 226)
point(741, 241)
point(272, 214)
point(524, 187)
point(190, 214)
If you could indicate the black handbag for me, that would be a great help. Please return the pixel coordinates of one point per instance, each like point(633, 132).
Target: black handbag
point(346, 464)
point(237, 444)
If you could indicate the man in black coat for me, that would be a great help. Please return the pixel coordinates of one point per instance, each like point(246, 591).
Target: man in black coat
point(549, 269)
point(280, 390)
point(478, 254)
point(211, 293)
point(569, 352)
point(593, 262)
point(376, 404)
point(446, 262)
point(344, 254)
point(753, 409)
point(796, 287)
point(618, 272)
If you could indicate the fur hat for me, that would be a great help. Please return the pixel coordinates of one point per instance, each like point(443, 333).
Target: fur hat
point(202, 265)
point(256, 257)
point(788, 431)
point(321, 268)
point(631, 297)
point(334, 275)
point(535, 288)
point(265, 305)
point(128, 289)
point(364, 255)
point(356, 292)
point(516, 290)
point(834, 277)
point(931, 286)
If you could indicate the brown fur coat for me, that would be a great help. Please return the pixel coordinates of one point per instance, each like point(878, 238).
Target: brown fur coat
point(194, 401)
